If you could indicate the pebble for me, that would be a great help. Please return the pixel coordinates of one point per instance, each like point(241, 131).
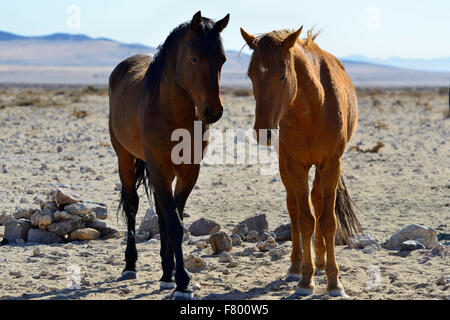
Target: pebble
point(220, 241)
point(201, 244)
point(267, 245)
point(63, 228)
point(225, 257)
point(362, 241)
point(249, 251)
point(203, 226)
point(411, 245)
point(22, 214)
point(63, 196)
point(194, 263)
point(278, 253)
point(78, 209)
point(42, 236)
point(150, 223)
point(85, 234)
point(236, 240)
point(443, 281)
point(112, 260)
point(252, 235)
point(126, 290)
point(257, 223)
point(16, 230)
point(152, 241)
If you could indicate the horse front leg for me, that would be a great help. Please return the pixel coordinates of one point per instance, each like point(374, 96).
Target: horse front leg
point(161, 176)
point(187, 176)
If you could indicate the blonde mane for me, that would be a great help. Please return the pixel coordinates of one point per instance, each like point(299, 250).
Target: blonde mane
point(263, 55)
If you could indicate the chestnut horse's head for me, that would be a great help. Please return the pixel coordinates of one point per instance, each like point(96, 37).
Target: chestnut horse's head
point(273, 76)
point(199, 63)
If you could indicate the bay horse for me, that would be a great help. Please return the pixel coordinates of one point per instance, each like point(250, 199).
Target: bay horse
point(306, 93)
point(149, 99)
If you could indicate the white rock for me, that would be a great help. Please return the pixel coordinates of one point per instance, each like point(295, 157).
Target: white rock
point(425, 235)
point(150, 222)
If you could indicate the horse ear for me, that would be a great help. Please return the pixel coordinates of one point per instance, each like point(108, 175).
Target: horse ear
point(291, 39)
point(196, 21)
point(221, 24)
point(250, 39)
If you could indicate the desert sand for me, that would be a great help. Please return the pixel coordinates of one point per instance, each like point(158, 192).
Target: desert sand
point(46, 141)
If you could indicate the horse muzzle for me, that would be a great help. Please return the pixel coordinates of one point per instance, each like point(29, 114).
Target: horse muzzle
point(210, 116)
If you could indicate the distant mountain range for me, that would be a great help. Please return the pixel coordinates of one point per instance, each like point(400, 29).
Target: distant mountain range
point(437, 64)
point(77, 58)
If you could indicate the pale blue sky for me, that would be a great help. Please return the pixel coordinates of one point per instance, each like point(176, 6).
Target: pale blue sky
point(375, 28)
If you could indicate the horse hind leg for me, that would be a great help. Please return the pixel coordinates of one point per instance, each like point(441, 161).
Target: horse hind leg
point(319, 241)
point(328, 224)
point(130, 204)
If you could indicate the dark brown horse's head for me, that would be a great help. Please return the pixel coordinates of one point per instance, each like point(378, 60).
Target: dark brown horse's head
point(199, 62)
point(273, 76)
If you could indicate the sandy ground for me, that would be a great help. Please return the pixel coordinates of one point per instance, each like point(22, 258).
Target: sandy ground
point(407, 181)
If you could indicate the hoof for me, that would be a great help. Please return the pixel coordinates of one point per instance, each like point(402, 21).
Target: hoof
point(128, 275)
point(167, 285)
point(338, 293)
point(178, 295)
point(291, 277)
point(303, 291)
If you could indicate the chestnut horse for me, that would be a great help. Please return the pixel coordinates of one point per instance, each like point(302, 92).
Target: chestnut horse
point(149, 99)
point(306, 93)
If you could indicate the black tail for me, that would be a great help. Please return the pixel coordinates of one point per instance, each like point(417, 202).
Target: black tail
point(348, 224)
point(142, 178)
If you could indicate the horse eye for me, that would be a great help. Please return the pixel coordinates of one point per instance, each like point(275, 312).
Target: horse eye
point(283, 78)
point(194, 60)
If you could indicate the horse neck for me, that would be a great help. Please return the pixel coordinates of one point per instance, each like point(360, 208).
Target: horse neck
point(310, 93)
point(175, 101)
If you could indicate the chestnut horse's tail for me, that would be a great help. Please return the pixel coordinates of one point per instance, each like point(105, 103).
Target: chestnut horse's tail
point(142, 179)
point(348, 224)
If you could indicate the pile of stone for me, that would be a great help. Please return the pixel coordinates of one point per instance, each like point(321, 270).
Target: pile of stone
point(62, 217)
